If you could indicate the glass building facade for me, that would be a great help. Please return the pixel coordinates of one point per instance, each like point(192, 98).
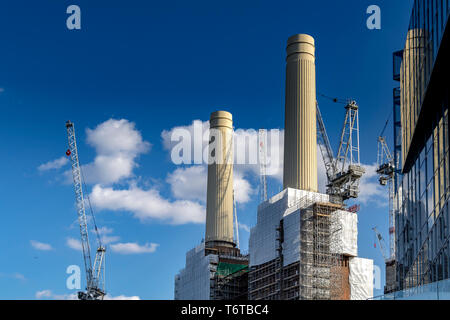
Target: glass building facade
point(421, 148)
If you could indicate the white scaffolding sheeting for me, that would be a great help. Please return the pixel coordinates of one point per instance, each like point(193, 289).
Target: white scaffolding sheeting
point(263, 244)
point(291, 244)
point(344, 236)
point(194, 281)
point(361, 278)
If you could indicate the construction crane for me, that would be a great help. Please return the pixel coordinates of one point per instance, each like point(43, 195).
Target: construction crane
point(381, 243)
point(386, 170)
point(95, 274)
point(343, 171)
point(390, 263)
point(262, 137)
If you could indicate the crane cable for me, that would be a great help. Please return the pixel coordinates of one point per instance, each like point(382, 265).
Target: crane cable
point(334, 99)
point(385, 125)
point(91, 211)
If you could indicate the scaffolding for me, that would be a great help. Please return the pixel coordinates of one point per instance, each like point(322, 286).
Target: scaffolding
point(230, 281)
point(217, 273)
point(322, 272)
point(316, 266)
point(264, 281)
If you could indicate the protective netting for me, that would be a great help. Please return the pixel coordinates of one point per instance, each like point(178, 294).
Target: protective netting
point(194, 281)
point(301, 234)
point(224, 269)
point(263, 243)
point(344, 233)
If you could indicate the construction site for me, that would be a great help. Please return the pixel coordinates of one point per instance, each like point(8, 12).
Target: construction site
point(304, 243)
point(243, 117)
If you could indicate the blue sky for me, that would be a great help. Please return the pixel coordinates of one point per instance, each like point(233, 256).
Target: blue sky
point(145, 67)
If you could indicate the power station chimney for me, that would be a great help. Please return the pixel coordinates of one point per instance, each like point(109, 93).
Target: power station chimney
point(300, 140)
point(219, 201)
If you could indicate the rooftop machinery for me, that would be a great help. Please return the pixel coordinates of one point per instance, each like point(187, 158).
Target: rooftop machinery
point(95, 275)
point(343, 171)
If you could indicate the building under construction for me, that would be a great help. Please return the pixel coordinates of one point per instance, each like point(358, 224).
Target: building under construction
point(304, 247)
point(216, 269)
point(212, 274)
point(304, 243)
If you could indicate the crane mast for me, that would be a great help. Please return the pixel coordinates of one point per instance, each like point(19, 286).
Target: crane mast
point(94, 274)
point(343, 171)
point(386, 170)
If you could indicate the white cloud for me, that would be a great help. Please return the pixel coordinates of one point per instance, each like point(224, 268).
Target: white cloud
point(15, 275)
point(189, 183)
point(74, 244)
point(54, 164)
point(147, 204)
point(18, 276)
point(117, 136)
point(117, 144)
point(48, 294)
point(133, 248)
point(370, 189)
point(245, 150)
point(67, 296)
point(167, 134)
point(43, 294)
point(244, 227)
point(242, 188)
point(246, 156)
point(40, 245)
point(106, 235)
